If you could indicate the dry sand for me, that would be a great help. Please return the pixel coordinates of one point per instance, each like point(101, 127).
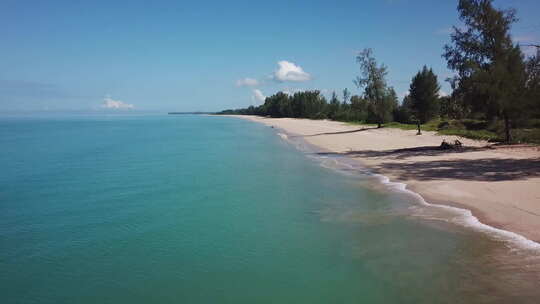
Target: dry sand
point(500, 185)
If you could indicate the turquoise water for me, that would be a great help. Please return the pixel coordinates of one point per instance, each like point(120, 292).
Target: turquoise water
point(198, 209)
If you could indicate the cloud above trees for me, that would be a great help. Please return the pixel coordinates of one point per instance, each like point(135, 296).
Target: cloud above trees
point(289, 71)
point(258, 95)
point(286, 72)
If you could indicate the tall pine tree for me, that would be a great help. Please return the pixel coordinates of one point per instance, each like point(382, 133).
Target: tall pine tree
point(490, 68)
point(424, 95)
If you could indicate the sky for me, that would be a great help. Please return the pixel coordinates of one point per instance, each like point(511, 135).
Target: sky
point(210, 56)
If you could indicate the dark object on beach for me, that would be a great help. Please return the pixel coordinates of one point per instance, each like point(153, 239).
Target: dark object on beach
point(447, 146)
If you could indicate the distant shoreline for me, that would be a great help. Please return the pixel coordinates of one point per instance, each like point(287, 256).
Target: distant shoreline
point(500, 186)
point(191, 113)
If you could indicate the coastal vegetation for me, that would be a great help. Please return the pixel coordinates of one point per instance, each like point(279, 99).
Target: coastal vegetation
point(495, 90)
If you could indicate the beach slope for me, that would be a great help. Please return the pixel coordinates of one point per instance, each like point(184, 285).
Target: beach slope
point(499, 184)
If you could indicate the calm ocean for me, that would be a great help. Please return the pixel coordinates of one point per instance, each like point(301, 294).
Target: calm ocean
point(199, 209)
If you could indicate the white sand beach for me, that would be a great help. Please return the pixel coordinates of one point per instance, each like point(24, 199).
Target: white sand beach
point(499, 184)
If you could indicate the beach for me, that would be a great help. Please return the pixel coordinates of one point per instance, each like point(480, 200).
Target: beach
point(500, 185)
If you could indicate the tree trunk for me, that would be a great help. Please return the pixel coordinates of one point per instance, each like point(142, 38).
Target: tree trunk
point(508, 136)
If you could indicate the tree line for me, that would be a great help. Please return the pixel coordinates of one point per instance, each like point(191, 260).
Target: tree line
point(493, 81)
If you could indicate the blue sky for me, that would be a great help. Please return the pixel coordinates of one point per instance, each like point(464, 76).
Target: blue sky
point(181, 56)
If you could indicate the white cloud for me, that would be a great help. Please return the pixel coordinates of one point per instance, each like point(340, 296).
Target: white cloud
point(289, 71)
point(529, 50)
point(443, 93)
point(109, 103)
point(403, 94)
point(526, 42)
point(247, 82)
point(258, 95)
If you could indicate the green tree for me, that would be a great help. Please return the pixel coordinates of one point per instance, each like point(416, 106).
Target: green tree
point(276, 105)
point(359, 108)
point(333, 106)
point(490, 68)
point(392, 103)
point(373, 81)
point(308, 104)
point(450, 107)
point(424, 95)
point(403, 112)
point(533, 83)
point(346, 96)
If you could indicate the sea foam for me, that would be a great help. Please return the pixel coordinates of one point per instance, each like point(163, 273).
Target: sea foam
point(460, 216)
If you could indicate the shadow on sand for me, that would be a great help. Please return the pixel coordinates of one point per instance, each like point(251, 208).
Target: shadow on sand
point(336, 133)
point(407, 152)
point(485, 169)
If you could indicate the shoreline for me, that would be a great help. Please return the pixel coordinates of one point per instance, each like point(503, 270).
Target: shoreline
point(490, 197)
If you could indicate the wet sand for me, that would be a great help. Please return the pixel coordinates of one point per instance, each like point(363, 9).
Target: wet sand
point(499, 184)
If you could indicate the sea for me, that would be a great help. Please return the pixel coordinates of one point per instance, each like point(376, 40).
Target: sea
point(155, 208)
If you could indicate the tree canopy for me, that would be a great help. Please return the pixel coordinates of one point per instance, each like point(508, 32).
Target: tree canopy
point(424, 95)
point(372, 80)
point(490, 68)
